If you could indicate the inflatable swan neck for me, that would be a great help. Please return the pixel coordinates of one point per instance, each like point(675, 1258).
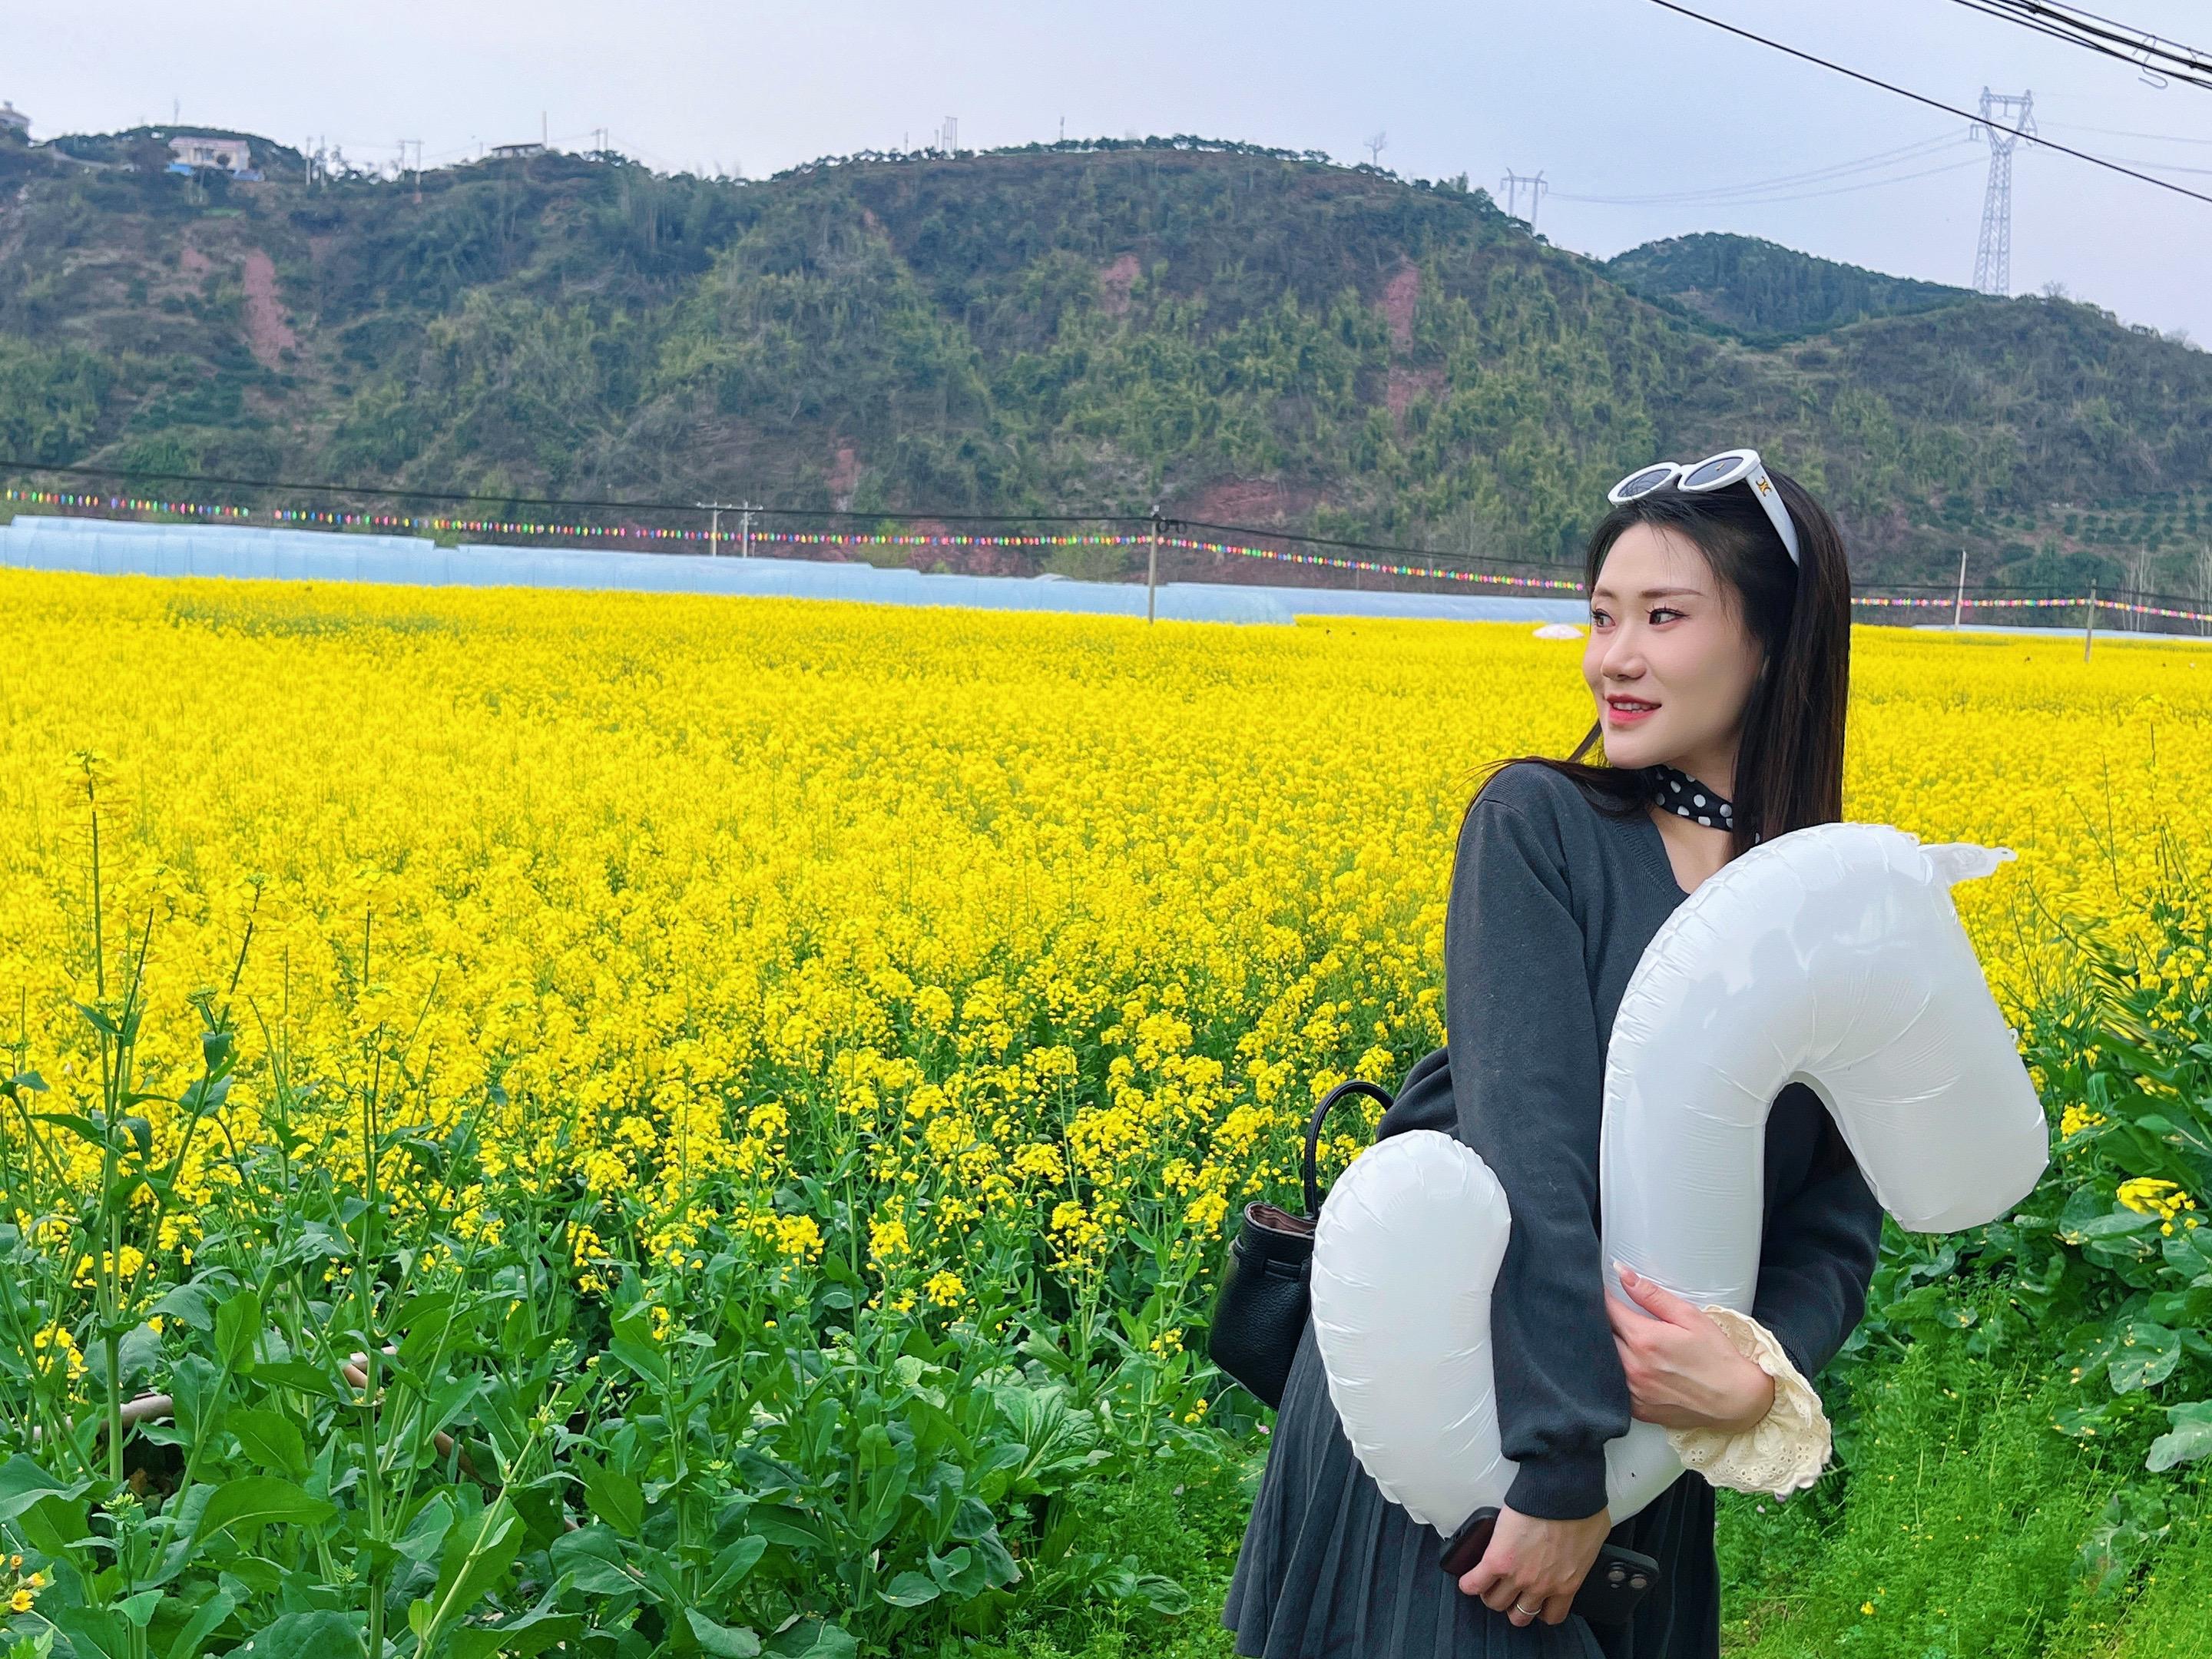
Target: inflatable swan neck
point(1961, 860)
point(1833, 955)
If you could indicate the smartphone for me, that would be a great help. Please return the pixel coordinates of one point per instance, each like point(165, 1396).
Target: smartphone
point(1616, 1581)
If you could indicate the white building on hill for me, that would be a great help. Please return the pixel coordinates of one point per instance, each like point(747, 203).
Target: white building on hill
point(13, 119)
point(232, 155)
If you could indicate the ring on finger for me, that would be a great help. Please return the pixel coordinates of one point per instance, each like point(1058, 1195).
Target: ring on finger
point(1526, 1612)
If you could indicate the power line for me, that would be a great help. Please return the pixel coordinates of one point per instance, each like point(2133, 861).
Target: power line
point(1846, 190)
point(2156, 56)
point(1810, 176)
point(1923, 98)
point(2130, 132)
point(1791, 195)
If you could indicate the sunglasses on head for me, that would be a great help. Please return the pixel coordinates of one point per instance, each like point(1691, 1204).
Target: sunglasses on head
point(1715, 472)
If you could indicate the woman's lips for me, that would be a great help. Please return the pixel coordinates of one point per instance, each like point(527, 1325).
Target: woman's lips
point(1628, 711)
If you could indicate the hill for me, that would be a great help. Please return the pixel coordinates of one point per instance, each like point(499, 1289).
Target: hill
point(1244, 336)
point(1764, 292)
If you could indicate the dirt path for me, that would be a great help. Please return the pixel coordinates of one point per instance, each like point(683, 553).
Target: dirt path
point(266, 330)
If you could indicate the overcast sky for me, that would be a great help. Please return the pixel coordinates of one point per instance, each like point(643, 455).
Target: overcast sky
point(1609, 98)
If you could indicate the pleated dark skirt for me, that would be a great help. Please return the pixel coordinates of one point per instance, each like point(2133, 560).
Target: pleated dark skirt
point(1330, 1568)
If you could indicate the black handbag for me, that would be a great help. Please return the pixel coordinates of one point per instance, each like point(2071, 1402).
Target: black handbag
point(1260, 1312)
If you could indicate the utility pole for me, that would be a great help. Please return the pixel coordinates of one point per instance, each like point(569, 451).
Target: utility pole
point(1376, 144)
point(2089, 627)
point(417, 142)
point(1513, 184)
point(715, 511)
point(746, 531)
point(2006, 118)
point(1153, 568)
point(1958, 605)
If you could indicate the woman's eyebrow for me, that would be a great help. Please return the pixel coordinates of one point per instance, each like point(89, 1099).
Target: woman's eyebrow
point(1647, 593)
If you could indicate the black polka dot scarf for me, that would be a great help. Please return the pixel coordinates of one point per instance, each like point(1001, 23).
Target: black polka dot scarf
point(1679, 793)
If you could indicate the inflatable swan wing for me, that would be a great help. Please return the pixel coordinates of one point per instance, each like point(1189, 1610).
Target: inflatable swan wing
point(1832, 957)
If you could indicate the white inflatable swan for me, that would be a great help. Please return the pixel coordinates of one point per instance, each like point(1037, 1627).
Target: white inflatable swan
point(1831, 956)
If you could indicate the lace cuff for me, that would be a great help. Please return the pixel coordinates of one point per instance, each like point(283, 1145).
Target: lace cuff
point(1783, 1452)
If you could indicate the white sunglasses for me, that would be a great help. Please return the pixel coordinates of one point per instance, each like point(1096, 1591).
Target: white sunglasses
point(1715, 472)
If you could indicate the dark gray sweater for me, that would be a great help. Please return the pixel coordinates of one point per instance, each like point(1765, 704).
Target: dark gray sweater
point(1552, 905)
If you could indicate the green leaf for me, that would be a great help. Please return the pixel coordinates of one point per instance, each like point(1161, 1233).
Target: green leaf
point(2118, 1222)
point(94, 1633)
point(2083, 1422)
point(781, 1523)
point(2147, 1355)
point(615, 1498)
point(2188, 1438)
point(298, 1374)
point(237, 1324)
point(910, 1589)
point(875, 1447)
point(188, 1304)
point(83, 1127)
point(533, 1632)
point(478, 1553)
point(1159, 1594)
point(56, 1525)
point(2083, 1364)
point(591, 1560)
point(958, 1573)
point(721, 1640)
point(422, 1537)
point(732, 1566)
point(812, 1638)
point(304, 1636)
point(23, 1483)
point(201, 1624)
point(999, 1568)
point(2189, 1253)
point(519, 1637)
point(638, 1353)
point(255, 1500)
point(271, 1439)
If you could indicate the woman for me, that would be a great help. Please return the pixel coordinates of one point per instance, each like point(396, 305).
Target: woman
point(1718, 661)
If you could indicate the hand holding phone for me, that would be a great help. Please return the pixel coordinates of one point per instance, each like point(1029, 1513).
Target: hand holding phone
point(1616, 1581)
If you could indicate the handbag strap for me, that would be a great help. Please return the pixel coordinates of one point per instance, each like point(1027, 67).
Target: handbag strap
point(1356, 1086)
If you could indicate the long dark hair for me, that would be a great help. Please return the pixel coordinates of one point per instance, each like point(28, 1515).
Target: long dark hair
point(1790, 760)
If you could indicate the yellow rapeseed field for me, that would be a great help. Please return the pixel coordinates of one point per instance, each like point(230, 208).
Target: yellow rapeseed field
point(1060, 922)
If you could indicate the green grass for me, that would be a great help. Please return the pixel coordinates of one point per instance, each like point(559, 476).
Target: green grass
point(1182, 1516)
point(1969, 1525)
point(2171, 1617)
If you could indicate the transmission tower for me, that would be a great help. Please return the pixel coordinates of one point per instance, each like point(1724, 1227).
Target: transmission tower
point(2006, 118)
point(1510, 187)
